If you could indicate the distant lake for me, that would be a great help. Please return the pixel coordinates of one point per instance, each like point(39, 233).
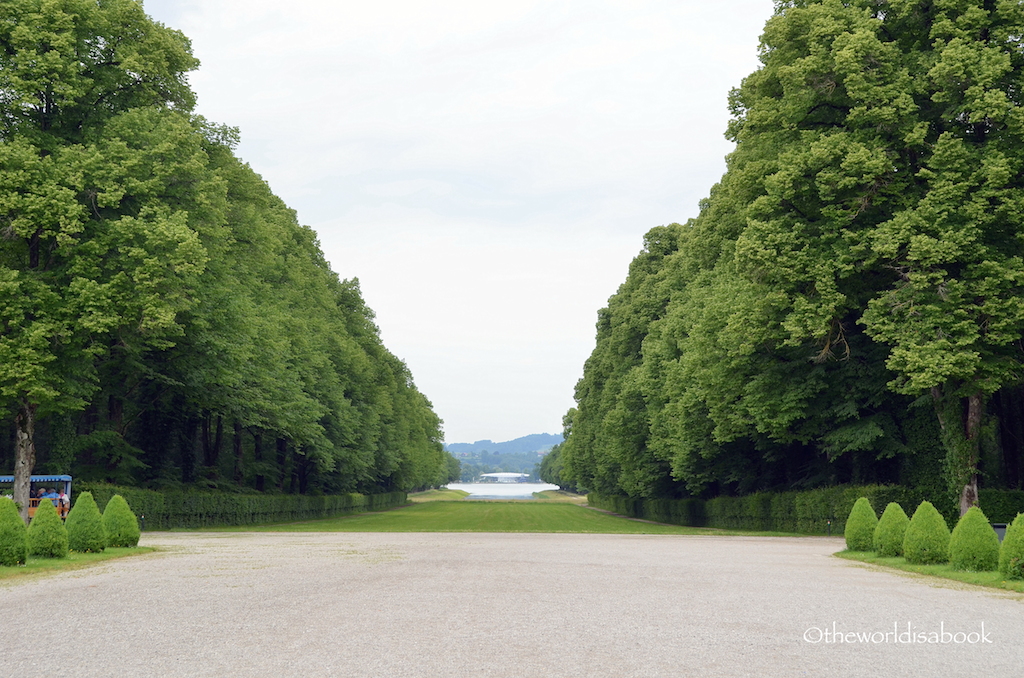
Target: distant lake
point(501, 490)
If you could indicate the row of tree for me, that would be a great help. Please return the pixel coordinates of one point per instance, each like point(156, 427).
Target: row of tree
point(848, 304)
point(164, 318)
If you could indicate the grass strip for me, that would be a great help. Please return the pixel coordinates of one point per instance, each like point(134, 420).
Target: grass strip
point(992, 580)
point(438, 495)
point(486, 516)
point(560, 496)
point(74, 561)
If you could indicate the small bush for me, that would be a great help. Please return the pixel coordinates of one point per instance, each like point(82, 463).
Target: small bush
point(1011, 553)
point(85, 526)
point(47, 536)
point(120, 523)
point(860, 526)
point(891, 528)
point(13, 535)
point(974, 545)
point(927, 537)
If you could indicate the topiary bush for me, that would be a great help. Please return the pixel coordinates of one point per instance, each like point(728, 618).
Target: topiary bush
point(1011, 553)
point(891, 528)
point(13, 535)
point(927, 537)
point(120, 523)
point(47, 536)
point(974, 545)
point(85, 526)
point(860, 526)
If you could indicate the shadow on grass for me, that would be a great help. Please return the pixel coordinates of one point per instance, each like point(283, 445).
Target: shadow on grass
point(74, 561)
point(992, 580)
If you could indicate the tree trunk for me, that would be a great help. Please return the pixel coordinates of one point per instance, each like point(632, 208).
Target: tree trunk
point(961, 436)
point(115, 411)
point(218, 439)
point(257, 455)
point(205, 437)
point(282, 463)
point(239, 473)
point(975, 411)
point(24, 455)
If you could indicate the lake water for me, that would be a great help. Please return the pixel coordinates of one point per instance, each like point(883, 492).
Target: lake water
point(501, 490)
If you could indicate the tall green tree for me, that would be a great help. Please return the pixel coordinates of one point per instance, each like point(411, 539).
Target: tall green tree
point(861, 255)
point(897, 195)
point(94, 255)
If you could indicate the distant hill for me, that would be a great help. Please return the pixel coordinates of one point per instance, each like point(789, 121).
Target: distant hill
point(537, 442)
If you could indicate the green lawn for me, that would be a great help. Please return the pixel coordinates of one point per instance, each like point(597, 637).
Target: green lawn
point(74, 561)
point(990, 579)
point(482, 516)
point(437, 495)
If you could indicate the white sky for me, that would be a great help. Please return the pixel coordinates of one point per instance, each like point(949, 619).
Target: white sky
point(486, 169)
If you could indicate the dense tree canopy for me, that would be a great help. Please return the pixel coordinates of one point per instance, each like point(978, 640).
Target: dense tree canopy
point(862, 251)
point(154, 290)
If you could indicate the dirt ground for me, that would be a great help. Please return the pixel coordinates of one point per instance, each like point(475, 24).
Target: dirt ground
point(262, 604)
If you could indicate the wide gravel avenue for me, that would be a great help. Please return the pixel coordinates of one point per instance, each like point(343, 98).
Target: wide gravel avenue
point(429, 604)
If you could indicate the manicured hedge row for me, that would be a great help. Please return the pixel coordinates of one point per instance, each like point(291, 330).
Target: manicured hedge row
point(1001, 506)
point(805, 512)
point(164, 510)
point(675, 511)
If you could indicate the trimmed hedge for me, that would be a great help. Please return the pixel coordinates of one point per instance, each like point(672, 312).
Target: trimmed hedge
point(807, 512)
point(47, 536)
point(974, 545)
point(162, 510)
point(1011, 552)
point(821, 511)
point(85, 526)
point(13, 535)
point(927, 538)
point(860, 526)
point(892, 527)
point(120, 523)
point(1001, 506)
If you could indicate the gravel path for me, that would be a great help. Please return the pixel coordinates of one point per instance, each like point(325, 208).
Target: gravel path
point(343, 604)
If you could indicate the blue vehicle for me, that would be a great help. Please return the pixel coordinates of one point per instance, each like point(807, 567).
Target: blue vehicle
point(50, 482)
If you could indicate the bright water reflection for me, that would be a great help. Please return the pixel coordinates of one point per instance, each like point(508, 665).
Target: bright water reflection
point(501, 490)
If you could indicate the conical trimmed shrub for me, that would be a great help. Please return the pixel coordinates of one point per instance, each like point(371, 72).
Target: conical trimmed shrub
point(120, 522)
point(860, 526)
point(1011, 553)
point(85, 525)
point(974, 545)
point(891, 528)
point(927, 538)
point(13, 535)
point(47, 536)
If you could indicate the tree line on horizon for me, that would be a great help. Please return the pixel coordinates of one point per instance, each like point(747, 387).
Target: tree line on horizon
point(848, 307)
point(164, 318)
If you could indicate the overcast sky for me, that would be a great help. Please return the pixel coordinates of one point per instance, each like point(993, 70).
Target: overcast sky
point(486, 170)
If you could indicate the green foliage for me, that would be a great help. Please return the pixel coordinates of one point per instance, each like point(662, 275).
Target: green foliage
point(120, 523)
point(1011, 551)
point(454, 470)
point(927, 537)
point(860, 526)
point(859, 253)
point(1001, 506)
point(890, 531)
point(190, 509)
point(13, 535)
point(47, 536)
point(822, 511)
point(974, 545)
point(184, 293)
point(85, 525)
